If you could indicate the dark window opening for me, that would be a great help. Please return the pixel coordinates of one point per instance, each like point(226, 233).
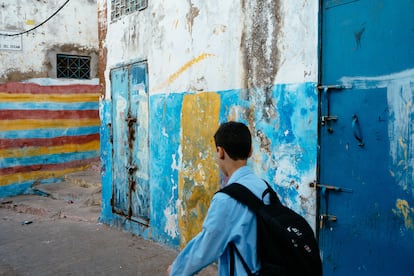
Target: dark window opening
point(73, 67)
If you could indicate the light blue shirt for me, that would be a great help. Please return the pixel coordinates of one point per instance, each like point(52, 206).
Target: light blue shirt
point(226, 220)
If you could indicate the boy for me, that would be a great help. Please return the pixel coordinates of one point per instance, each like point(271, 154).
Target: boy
point(227, 220)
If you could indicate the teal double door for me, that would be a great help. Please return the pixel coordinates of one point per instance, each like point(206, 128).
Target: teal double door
point(131, 194)
point(365, 187)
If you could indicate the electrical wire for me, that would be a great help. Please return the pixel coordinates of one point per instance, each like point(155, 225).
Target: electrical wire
point(34, 28)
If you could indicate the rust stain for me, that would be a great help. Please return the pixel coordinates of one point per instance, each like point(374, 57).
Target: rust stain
point(191, 15)
point(103, 51)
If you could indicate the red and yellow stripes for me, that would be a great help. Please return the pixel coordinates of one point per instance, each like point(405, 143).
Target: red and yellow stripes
point(47, 131)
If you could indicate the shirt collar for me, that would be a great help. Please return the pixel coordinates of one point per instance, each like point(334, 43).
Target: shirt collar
point(238, 174)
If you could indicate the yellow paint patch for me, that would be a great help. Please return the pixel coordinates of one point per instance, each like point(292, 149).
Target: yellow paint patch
point(404, 210)
point(30, 22)
point(183, 68)
point(8, 125)
point(38, 151)
point(199, 178)
point(37, 175)
point(65, 98)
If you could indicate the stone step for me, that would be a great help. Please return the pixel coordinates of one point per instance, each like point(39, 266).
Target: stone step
point(77, 197)
point(67, 191)
point(87, 178)
point(81, 187)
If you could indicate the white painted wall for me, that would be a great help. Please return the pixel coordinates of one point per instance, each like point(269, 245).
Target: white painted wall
point(76, 24)
point(203, 52)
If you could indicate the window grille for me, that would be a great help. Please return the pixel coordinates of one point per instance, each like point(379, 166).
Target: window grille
point(73, 67)
point(120, 8)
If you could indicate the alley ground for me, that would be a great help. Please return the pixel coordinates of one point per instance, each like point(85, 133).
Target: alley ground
point(57, 233)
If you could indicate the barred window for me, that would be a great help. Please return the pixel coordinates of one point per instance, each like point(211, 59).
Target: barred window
point(73, 67)
point(120, 8)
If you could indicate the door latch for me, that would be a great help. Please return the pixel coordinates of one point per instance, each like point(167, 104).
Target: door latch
point(325, 101)
point(325, 119)
point(330, 188)
point(326, 218)
point(131, 169)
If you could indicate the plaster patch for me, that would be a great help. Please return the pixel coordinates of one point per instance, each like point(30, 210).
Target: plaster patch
point(171, 227)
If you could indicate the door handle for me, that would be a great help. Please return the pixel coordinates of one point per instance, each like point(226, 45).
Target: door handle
point(356, 130)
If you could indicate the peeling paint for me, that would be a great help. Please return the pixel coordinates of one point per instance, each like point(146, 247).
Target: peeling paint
point(37, 57)
point(199, 177)
point(207, 67)
point(400, 96)
point(404, 210)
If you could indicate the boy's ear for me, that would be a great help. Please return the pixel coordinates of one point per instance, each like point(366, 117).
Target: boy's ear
point(251, 152)
point(220, 152)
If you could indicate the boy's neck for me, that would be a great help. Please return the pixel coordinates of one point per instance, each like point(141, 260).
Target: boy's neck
point(233, 166)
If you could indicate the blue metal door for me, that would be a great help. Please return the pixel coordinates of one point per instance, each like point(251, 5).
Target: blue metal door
point(366, 193)
point(130, 142)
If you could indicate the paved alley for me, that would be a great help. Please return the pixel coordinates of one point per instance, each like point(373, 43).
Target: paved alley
point(57, 233)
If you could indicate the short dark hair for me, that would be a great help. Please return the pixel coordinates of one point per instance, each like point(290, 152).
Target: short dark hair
point(235, 138)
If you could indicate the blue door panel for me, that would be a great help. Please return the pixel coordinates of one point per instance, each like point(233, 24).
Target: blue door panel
point(366, 38)
point(119, 87)
point(131, 191)
point(361, 228)
point(139, 110)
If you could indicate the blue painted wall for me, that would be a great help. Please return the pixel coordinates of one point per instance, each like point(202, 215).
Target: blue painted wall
point(284, 128)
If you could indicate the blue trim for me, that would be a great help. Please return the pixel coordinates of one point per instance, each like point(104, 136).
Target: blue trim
point(48, 133)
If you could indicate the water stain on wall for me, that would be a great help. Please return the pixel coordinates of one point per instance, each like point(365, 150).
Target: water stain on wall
point(191, 15)
point(261, 58)
point(103, 51)
point(259, 42)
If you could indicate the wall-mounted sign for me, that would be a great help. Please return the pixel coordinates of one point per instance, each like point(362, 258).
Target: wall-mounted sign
point(11, 43)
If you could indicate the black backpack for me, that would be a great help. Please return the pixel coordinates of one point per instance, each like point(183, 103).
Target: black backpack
point(286, 243)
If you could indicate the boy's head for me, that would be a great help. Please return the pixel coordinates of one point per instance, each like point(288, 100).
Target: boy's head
point(235, 139)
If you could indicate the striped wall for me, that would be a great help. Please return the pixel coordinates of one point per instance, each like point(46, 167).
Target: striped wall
point(45, 133)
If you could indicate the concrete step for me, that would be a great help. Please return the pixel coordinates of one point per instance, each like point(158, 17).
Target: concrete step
point(87, 178)
point(66, 191)
point(78, 197)
point(81, 187)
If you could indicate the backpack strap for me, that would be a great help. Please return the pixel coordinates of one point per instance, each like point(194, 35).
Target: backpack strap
point(233, 249)
point(246, 197)
point(243, 195)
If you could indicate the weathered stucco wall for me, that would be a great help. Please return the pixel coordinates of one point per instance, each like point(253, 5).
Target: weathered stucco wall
point(208, 64)
point(73, 30)
point(48, 127)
